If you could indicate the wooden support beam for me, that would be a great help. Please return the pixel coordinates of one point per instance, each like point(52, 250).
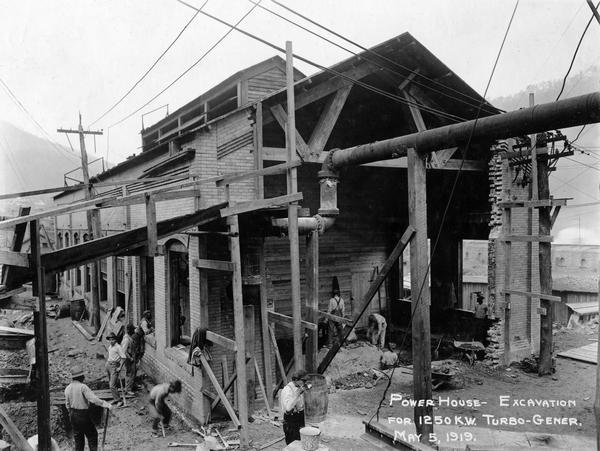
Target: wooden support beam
point(337, 319)
point(262, 388)
point(17, 243)
point(526, 238)
point(220, 392)
point(160, 196)
point(238, 325)
point(279, 154)
point(217, 265)
point(545, 268)
point(421, 295)
point(264, 321)
point(13, 431)
point(41, 342)
point(253, 205)
point(151, 226)
point(281, 117)
point(554, 215)
point(287, 321)
point(282, 370)
point(327, 120)
point(506, 229)
point(227, 387)
point(220, 340)
point(312, 299)
point(547, 297)
point(11, 258)
point(540, 203)
point(119, 243)
point(249, 335)
point(271, 170)
point(366, 300)
point(258, 150)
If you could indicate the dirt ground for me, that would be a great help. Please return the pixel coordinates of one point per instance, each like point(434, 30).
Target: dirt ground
point(354, 396)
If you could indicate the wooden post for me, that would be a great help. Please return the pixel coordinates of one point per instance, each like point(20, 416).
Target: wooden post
point(533, 195)
point(41, 343)
point(312, 299)
point(249, 335)
point(93, 223)
point(545, 249)
point(238, 324)
point(258, 151)
point(292, 187)
point(421, 296)
point(264, 323)
point(597, 400)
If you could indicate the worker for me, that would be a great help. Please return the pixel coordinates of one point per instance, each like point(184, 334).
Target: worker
point(480, 309)
point(291, 400)
point(146, 322)
point(114, 363)
point(336, 328)
point(78, 397)
point(127, 345)
point(158, 408)
point(138, 346)
point(377, 328)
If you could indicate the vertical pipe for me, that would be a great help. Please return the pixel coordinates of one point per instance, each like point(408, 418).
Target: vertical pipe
point(41, 343)
point(421, 296)
point(292, 185)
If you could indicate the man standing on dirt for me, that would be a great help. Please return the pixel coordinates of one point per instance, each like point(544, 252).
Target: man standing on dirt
point(337, 308)
point(291, 400)
point(127, 345)
point(114, 363)
point(160, 412)
point(377, 328)
point(78, 397)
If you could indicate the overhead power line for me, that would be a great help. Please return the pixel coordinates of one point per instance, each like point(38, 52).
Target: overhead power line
point(17, 102)
point(564, 82)
point(151, 67)
point(189, 68)
point(362, 84)
point(411, 72)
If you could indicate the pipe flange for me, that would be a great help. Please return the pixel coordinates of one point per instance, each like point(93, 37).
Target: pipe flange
point(320, 224)
point(328, 169)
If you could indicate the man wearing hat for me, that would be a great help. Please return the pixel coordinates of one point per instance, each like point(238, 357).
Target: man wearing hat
point(114, 362)
point(291, 400)
point(78, 397)
point(337, 308)
point(480, 309)
point(146, 322)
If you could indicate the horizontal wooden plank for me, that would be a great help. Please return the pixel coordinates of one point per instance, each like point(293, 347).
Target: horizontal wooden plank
point(162, 195)
point(534, 203)
point(20, 259)
point(280, 154)
point(335, 318)
point(526, 238)
point(16, 331)
point(271, 170)
point(285, 320)
point(244, 207)
point(547, 297)
point(221, 340)
point(217, 265)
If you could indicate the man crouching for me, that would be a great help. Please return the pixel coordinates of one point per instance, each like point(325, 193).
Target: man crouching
point(159, 411)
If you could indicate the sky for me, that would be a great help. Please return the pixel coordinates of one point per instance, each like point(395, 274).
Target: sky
point(64, 57)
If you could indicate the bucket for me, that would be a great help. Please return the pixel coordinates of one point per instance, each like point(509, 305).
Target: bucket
point(310, 438)
point(316, 399)
point(77, 308)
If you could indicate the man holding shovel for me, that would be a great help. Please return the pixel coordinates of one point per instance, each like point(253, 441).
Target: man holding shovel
point(78, 397)
point(158, 408)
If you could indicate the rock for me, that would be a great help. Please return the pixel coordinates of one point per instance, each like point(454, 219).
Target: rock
point(72, 353)
point(99, 356)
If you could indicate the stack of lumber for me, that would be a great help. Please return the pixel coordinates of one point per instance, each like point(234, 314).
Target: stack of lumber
point(12, 338)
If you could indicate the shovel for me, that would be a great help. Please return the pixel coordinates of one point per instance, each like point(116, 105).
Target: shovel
point(105, 427)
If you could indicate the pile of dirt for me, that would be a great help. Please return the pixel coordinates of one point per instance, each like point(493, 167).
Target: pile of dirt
point(358, 357)
point(355, 380)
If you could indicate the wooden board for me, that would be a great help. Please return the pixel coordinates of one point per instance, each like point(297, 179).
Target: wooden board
point(587, 353)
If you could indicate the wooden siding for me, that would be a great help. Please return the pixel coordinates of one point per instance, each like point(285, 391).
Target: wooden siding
point(265, 84)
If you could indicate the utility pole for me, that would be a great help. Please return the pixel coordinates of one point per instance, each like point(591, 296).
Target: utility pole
point(93, 221)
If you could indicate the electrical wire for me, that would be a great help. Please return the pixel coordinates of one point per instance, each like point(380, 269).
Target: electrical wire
point(189, 68)
point(411, 72)
point(564, 82)
point(578, 134)
point(17, 102)
point(151, 67)
point(395, 63)
point(367, 86)
point(447, 207)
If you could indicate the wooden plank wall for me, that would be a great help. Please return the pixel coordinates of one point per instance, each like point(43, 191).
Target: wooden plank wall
point(265, 83)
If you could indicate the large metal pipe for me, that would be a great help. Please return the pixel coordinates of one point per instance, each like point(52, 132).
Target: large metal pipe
point(565, 113)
